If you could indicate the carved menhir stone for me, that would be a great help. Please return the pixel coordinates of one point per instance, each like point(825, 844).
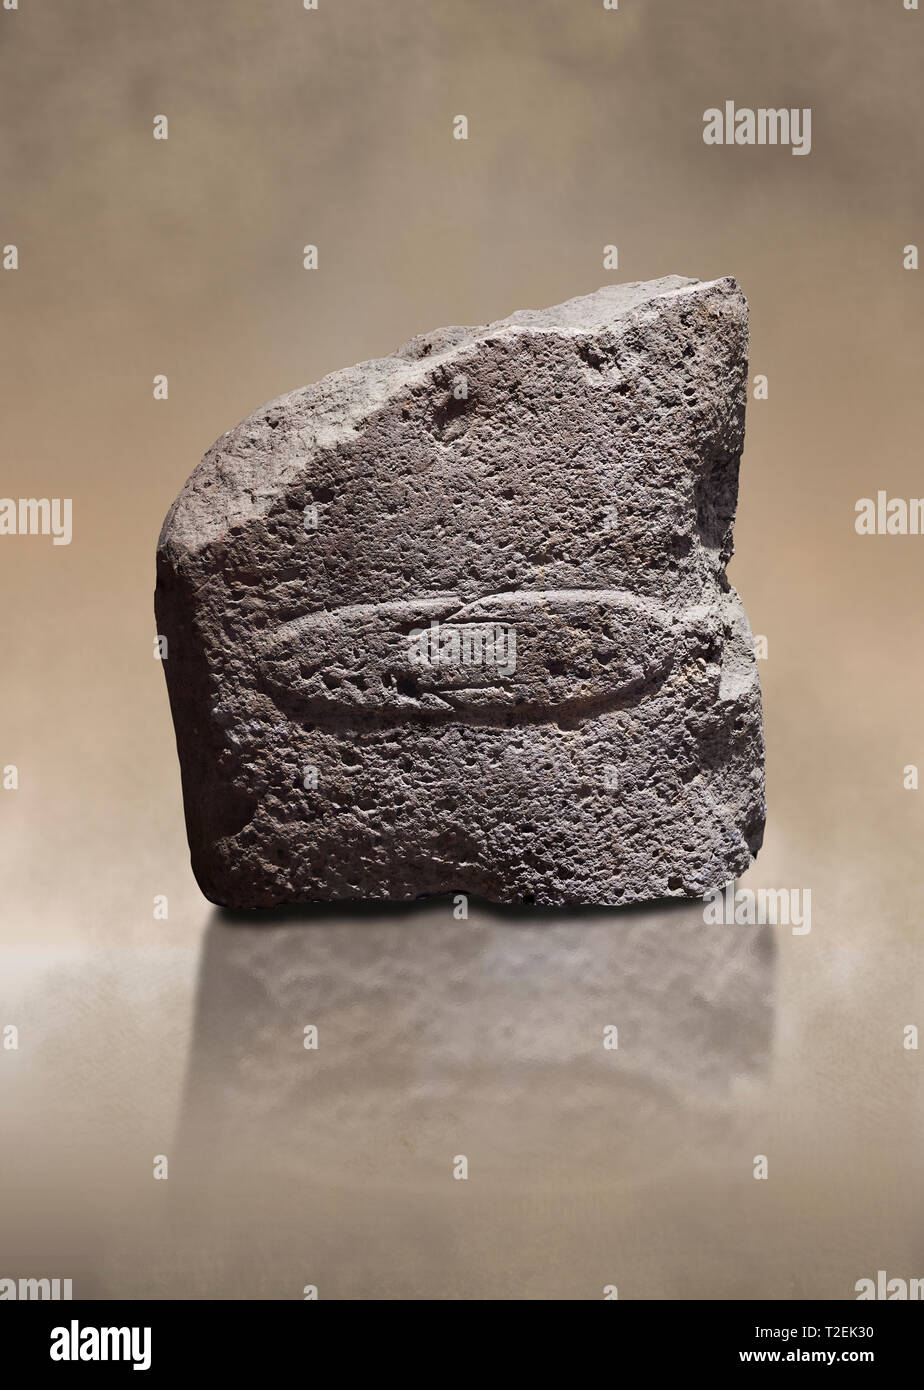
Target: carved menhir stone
point(457, 620)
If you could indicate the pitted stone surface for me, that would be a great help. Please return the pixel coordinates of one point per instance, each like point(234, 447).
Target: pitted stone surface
point(457, 620)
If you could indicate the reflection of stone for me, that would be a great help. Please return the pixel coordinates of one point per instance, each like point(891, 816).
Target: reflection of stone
point(484, 1037)
point(577, 493)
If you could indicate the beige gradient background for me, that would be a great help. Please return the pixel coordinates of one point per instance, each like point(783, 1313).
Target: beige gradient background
point(141, 1037)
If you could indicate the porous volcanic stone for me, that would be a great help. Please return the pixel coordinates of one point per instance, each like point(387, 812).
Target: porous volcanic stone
point(458, 620)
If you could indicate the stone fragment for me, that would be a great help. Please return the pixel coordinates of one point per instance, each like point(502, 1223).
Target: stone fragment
point(457, 620)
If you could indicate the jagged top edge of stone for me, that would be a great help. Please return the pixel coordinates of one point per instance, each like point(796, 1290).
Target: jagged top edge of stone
point(318, 416)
